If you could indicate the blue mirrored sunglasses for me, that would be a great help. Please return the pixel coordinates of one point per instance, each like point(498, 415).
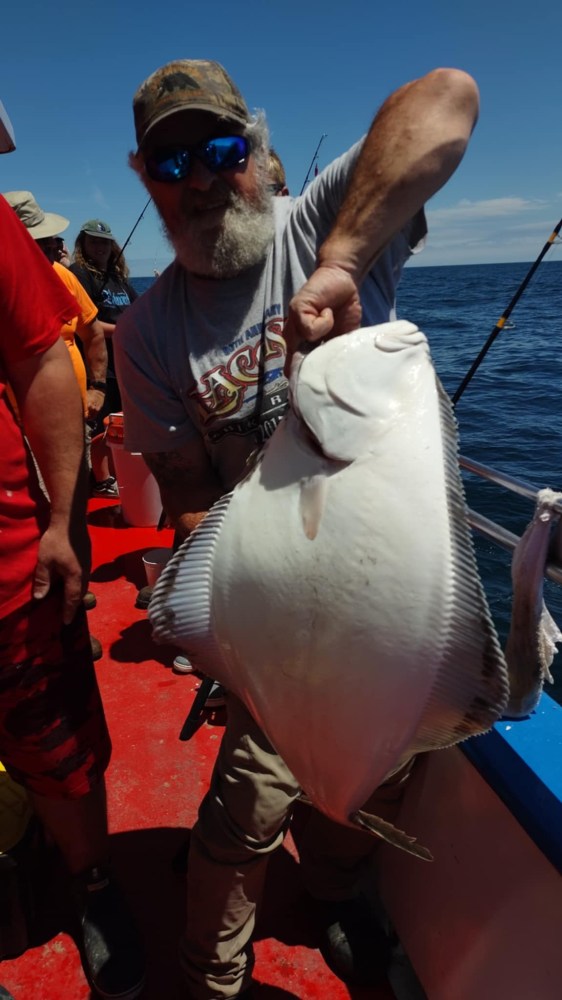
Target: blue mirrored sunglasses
point(224, 153)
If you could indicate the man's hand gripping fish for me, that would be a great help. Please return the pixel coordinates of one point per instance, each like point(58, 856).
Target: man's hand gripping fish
point(335, 590)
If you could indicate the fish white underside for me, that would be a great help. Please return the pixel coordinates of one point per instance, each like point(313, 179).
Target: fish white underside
point(335, 591)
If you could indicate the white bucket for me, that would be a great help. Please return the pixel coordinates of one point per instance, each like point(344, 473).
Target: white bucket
point(141, 505)
point(154, 561)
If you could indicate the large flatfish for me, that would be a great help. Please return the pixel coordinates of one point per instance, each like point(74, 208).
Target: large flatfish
point(335, 590)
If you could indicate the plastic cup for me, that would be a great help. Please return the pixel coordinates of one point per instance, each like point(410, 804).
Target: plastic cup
point(154, 561)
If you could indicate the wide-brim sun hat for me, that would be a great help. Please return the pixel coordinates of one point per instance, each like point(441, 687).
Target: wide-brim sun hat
point(38, 223)
point(95, 227)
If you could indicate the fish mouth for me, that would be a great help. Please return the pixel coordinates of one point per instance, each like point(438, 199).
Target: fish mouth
point(389, 342)
point(308, 438)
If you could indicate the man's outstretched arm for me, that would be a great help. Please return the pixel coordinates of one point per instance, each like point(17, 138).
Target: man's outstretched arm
point(416, 142)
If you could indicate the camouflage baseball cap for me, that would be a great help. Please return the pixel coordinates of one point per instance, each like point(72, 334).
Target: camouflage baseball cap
point(187, 85)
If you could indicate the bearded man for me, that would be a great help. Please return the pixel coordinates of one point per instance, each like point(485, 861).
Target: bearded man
point(201, 360)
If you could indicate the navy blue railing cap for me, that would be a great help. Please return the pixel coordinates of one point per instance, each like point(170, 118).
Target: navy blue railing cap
point(522, 761)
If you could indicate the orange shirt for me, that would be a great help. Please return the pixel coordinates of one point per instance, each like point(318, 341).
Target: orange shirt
point(88, 312)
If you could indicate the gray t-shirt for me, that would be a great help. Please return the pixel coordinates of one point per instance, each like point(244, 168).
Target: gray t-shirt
point(200, 356)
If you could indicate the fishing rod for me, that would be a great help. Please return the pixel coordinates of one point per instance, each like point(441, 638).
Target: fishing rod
point(314, 158)
point(128, 240)
point(505, 315)
point(123, 248)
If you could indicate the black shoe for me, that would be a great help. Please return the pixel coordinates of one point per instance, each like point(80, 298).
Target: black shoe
point(216, 697)
point(353, 943)
point(97, 651)
point(107, 488)
point(182, 665)
point(143, 597)
point(110, 946)
point(89, 600)
point(96, 647)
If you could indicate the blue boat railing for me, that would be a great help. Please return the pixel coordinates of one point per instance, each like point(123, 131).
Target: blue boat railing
point(522, 759)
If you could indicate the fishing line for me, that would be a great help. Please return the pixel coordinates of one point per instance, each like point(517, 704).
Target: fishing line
point(505, 315)
point(314, 158)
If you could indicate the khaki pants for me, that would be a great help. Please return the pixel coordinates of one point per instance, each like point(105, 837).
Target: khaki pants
point(242, 820)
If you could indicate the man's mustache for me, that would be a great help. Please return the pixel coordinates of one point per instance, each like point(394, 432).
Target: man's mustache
point(195, 202)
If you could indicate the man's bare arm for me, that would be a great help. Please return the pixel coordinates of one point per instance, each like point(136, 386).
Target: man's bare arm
point(414, 145)
point(108, 329)
point(95, 352)
point(50, 406)
point(188, 484)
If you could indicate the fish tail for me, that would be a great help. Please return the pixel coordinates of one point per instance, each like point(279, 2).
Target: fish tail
point(386, 831)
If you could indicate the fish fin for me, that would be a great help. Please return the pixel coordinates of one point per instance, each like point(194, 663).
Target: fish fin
point(180, 610)
point(386, 831)
point(312, 500)
point(470, 691)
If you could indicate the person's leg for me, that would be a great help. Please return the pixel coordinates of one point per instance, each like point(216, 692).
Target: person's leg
point(334, 857)
point(242, 820)
point(54, 742)
point(53, 735)
point(100, 454)
point(103, 469)
point(78, 827)
point(334, 861)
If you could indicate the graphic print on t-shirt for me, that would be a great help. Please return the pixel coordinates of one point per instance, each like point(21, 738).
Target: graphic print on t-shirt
point(246, 394)
point(111, 299)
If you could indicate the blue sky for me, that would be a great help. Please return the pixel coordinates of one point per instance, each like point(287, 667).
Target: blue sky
point(68, 72)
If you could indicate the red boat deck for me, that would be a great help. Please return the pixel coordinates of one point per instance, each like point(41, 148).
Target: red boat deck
point(155, 785)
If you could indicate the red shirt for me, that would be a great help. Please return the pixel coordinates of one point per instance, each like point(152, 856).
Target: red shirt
point(33, 306)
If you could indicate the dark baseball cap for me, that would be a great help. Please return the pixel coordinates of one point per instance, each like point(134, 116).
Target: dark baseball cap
point(187, 85)
point(95, 227)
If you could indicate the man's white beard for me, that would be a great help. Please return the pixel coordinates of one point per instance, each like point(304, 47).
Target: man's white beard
point(241, 241)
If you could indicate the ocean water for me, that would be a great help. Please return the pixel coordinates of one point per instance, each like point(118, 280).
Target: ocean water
point(141, 284)
point(510, 414)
